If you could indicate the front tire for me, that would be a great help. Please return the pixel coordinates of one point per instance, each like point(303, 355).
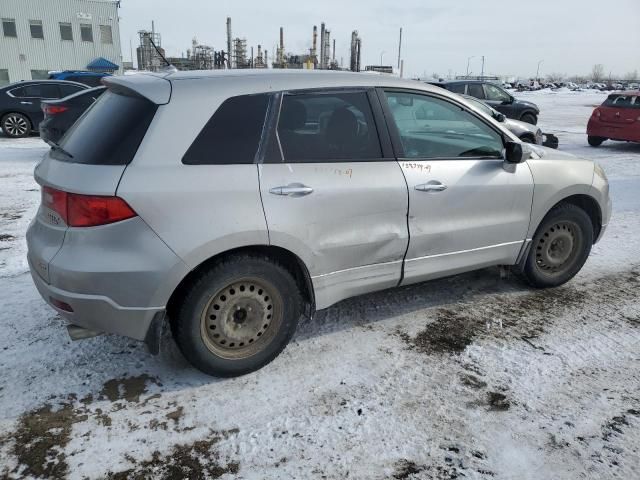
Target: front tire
point(238, 315)
point(560, 247)
point(595, 141)
point(529, 118)
point(16, 125)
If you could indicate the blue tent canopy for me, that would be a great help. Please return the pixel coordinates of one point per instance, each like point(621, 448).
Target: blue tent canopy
point(101, 64)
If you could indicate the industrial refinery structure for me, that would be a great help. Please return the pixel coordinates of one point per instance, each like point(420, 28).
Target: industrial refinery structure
point(238, 54)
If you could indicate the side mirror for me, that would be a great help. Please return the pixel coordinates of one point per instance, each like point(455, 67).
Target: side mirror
point(500, 117)
point(514, 152)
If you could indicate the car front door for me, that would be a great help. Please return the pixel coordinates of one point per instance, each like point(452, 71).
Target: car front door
point(467, 209)
point(333, 193)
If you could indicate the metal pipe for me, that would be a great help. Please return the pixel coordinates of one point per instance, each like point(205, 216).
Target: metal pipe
point(229, 44)
point(322, 39)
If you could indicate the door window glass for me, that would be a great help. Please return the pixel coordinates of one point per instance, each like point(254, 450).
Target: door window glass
point(434, 128)
point(457, 87)
point(494, 93)
point(328, 127)
point(67, 90)
point(475, 90)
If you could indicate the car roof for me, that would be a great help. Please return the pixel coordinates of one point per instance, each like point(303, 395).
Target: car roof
point(157, 86)
point(626, 92)
point(23, 83)
point(467, 81)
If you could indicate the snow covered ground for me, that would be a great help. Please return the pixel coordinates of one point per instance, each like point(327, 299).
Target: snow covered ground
point(469, 377)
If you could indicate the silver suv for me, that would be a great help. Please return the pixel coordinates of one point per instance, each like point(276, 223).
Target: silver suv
point(234, 203)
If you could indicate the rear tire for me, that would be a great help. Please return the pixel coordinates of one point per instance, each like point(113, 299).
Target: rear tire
point(560, 247)
point(16, 125)
point(529, 118)
point(238, 315)
point(595, 141)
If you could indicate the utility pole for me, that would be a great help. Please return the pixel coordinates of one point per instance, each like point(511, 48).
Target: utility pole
point(399, 48)
point(468, 60)
point(538, 71)
point(482, 74)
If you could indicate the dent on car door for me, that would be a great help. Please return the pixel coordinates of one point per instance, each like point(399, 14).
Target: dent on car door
point(331, 194)
point(466, 210)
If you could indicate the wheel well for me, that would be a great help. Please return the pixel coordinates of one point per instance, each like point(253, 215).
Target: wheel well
point(530, 136)
point(287, 259)
point(590, 206)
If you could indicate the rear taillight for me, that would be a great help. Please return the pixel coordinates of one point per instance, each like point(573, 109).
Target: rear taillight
point(86, 210)
point(53, 109)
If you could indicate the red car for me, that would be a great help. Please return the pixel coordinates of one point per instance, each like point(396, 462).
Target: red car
point(618, 118)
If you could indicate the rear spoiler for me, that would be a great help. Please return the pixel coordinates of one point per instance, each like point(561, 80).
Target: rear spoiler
point(154, 88)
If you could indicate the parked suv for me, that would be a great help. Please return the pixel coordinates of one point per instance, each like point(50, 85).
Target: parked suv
point(20, 111)
point(237, 202)
point(496, 97)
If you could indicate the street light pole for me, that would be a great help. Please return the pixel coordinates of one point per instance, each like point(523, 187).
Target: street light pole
point(468, 60)
point(382, 56)
point(538, 71)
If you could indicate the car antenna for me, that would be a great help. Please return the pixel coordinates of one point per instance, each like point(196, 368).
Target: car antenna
point(169, 66)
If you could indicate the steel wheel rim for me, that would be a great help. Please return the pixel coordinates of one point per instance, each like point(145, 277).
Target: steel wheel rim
point(16, 125)
point(558, 247)
point(242, 318)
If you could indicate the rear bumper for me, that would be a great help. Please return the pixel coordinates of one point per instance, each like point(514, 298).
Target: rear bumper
point(629, 133)
point(98, 312)
point(116, 278)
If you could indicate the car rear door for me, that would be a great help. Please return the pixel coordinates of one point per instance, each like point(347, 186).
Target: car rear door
point(466, 209)
point(332, 191)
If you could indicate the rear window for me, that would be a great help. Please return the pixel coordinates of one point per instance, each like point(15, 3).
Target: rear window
point(109, 132)
point(232, 134)
point(622, 101)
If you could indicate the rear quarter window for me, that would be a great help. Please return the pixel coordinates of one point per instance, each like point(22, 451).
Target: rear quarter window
point(232, 134)
point(109, 132)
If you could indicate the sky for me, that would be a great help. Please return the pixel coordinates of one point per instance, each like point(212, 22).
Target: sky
point(439, 36)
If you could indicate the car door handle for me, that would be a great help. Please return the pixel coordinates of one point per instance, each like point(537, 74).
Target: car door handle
point(26, 103)
point(431, 187)
point(292, 190)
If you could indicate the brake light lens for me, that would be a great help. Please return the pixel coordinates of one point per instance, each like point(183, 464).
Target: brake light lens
point(53, 109)
point(86, 210)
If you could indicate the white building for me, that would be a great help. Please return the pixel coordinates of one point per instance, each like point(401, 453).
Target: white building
point(37, 36)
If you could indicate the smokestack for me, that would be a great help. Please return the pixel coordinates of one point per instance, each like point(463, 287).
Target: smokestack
point(281, 49)
point(333, 57)
point(322, 39)
point(315, 43)
point(359, 48)
point(229, 55)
